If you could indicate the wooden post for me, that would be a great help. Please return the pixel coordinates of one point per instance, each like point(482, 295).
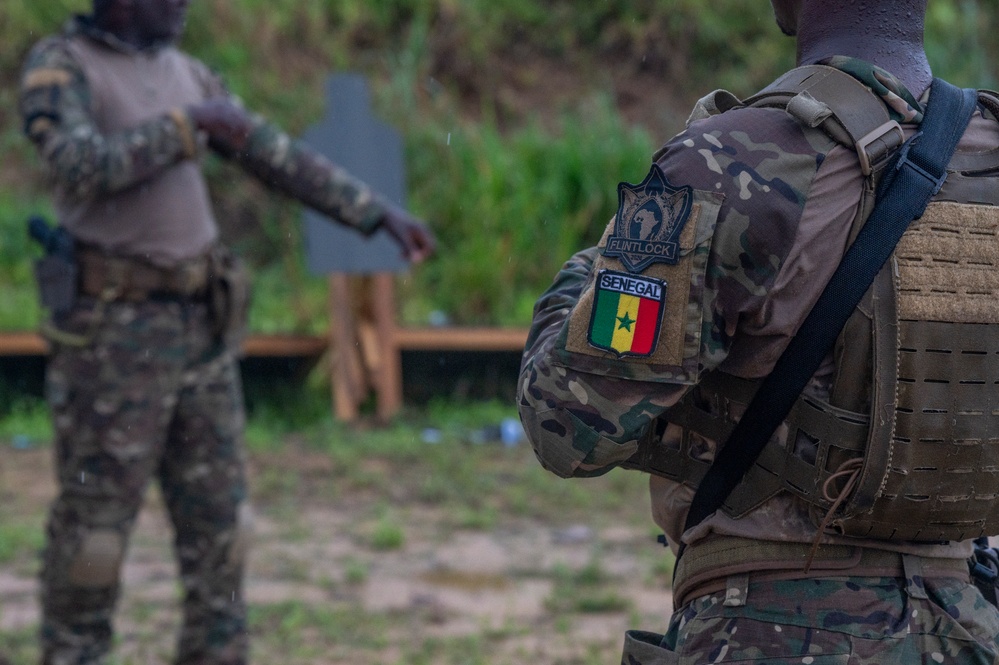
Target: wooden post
point(346, 373)
point(388, 380)
point(365, 353)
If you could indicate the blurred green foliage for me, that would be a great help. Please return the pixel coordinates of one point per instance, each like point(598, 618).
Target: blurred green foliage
point(511, 187)
point(511, 208)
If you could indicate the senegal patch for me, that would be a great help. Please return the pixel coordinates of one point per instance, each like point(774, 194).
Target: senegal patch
point(650, 217)
point(627, 313)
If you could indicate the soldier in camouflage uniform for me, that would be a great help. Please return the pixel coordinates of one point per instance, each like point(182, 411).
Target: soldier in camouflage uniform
point(143, 381)
point(638, 349)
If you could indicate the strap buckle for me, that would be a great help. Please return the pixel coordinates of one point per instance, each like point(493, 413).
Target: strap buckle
point(903, 160)
point(866, 141)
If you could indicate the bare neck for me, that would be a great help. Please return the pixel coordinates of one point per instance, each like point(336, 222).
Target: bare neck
point(886, 38)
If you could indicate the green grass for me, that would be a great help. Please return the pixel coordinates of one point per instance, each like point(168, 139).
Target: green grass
point(448, 651)
point(530, 197)
point(19, 308)
point(19, 646)
point(588, 590)
point(25, 421)
point(475, 482)
point(387, 534)
point(19, 540)
point(355, 571)
point(302, 633)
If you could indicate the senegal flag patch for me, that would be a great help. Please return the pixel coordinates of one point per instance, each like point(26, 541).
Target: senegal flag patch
point(627, 313)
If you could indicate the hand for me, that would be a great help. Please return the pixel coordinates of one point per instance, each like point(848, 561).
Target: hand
point(413, 236)
point(227, 124)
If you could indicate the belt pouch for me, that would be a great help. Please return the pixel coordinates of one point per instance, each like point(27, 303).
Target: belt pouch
point(228, 296)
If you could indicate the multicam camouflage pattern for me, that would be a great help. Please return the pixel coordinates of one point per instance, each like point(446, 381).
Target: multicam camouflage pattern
point(570, 417)
point(762, 162)
point(154, 396)
point(902, 106)
point(56, 105)
point(829, 621)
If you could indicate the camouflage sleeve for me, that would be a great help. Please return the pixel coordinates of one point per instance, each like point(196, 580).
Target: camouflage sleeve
point(294, 169)
point(55, 104)
point(587, 410)
point(580, 424)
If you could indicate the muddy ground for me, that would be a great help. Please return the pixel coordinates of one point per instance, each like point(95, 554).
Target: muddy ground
point(367, 575)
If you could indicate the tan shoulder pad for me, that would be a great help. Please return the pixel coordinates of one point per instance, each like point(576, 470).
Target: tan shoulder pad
point(640, 315)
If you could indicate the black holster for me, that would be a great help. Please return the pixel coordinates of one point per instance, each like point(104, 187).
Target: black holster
point(56, 272)
point(57, 285)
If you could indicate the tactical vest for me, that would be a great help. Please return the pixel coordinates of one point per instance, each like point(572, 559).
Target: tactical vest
point(907, 446)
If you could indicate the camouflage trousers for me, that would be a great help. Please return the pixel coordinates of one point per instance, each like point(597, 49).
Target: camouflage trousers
point(828, 621)
point(153, 395)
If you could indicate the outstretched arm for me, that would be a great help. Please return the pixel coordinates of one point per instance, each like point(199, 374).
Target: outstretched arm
point(296, 170)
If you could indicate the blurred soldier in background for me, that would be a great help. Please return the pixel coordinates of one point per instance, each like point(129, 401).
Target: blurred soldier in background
point(143, 380)
point(849, 539)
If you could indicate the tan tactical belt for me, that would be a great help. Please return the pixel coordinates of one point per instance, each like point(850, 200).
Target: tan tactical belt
point(704, 567)
point(121, 278)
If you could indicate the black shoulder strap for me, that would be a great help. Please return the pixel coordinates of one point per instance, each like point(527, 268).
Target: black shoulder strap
point(906, 189)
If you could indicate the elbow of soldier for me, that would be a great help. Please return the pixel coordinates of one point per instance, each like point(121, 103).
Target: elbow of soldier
point(554, 441)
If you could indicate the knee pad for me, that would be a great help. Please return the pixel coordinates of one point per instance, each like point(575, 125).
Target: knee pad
point(97, 562)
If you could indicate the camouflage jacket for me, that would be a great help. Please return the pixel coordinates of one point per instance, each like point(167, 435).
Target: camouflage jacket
point(761, 208)
point(86, 162)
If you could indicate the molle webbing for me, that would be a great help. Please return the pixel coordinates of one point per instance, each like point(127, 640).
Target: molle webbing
point(941, 468)
point(811, 445)
point(948, 265)
point(922, 359)
point(942, 480)
point(931, 467)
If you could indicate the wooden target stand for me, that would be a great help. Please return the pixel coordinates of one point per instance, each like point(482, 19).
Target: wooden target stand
point(365, 355)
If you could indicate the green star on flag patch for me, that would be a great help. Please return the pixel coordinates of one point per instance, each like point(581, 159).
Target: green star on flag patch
point(627, 313)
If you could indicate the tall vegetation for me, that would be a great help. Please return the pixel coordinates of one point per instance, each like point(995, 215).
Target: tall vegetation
point(512, 178)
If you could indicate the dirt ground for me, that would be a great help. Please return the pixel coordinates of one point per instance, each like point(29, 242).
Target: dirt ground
point(323, 588)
